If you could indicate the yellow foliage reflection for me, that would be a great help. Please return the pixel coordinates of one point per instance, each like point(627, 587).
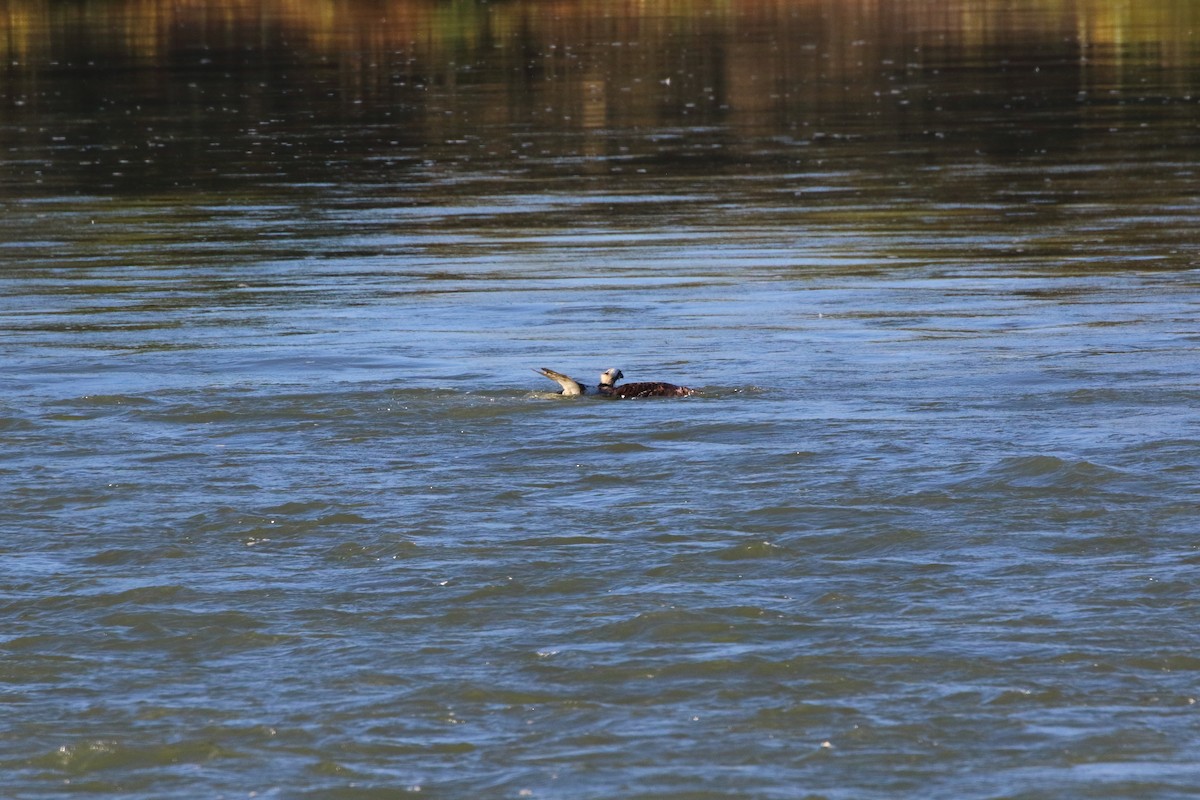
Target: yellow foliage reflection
point(41, 29)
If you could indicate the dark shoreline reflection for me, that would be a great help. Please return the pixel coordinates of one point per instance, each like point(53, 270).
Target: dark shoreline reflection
point(153, 96)
point(944, 131)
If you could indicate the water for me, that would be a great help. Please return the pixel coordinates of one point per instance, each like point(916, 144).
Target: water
point(285, 511)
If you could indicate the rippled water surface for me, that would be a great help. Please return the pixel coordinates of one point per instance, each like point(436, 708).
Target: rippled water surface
point(286, 512)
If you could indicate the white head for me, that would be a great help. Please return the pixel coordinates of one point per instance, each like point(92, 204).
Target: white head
point(610, 377)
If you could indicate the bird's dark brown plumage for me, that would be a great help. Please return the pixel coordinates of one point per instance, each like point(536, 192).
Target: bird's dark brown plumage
point(647, 389)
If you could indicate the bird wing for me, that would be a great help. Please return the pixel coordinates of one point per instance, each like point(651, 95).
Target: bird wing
point(569, 385)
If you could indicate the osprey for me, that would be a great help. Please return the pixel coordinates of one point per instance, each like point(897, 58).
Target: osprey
point(609, 388)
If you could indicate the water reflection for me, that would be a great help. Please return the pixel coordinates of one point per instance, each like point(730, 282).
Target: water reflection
point(1037, 127)
point(168, 92)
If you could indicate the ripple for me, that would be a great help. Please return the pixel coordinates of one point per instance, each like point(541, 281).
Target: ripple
point(1050, 473)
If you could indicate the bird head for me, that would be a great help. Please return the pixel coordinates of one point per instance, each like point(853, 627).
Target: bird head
point(610, 377)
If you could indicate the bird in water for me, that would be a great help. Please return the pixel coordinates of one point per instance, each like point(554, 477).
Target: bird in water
point(610, 388)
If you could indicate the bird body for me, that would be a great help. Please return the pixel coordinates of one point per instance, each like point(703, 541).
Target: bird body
point(610, 388)
point(648, 389)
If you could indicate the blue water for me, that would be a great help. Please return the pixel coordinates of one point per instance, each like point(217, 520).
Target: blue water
point(285, 510)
